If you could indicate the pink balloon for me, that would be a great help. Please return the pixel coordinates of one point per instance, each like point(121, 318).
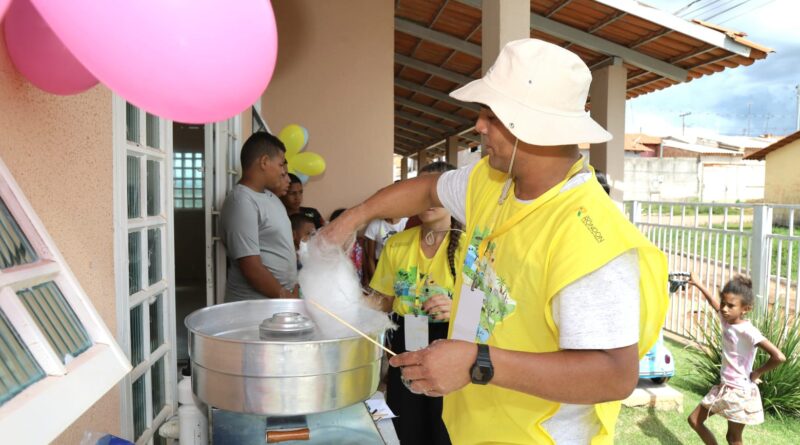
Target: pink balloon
point(3, 6)
point(39, 55)
point(192, 61)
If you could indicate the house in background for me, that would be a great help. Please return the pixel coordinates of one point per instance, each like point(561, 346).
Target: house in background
point(634, 147)
point(708, 168)
point(782, 181)
point(642, 145)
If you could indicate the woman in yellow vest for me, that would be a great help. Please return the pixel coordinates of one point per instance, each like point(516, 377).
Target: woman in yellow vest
point(558, 294)
point(415, 279)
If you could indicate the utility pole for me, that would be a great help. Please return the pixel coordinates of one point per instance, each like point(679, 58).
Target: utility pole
point(683, 121)
point(797, 126)
point(749, 104)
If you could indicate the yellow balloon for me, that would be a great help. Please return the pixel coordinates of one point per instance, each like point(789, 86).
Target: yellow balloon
point(294, 138)
point(307, 163)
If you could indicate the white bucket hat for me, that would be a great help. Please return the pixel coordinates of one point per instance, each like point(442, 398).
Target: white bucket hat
point(538, 91)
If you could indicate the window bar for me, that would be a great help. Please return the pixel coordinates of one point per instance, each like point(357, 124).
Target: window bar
point(741, 229)
point(777, 275)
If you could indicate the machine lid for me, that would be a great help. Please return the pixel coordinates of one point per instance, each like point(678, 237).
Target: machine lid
point(286, 324)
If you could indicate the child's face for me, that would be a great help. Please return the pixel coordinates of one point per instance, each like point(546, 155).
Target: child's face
point(731, 308)
point(294, 197)
point(302, 234)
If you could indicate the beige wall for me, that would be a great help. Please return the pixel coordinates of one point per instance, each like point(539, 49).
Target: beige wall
point(59, 151)
point(335, 77)
point(782, 184)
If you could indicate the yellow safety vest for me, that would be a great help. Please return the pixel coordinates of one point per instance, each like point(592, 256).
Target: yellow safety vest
point(521, 255)
point(405, 273)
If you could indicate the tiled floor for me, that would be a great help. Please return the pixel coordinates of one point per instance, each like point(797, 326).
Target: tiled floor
point(187, 300)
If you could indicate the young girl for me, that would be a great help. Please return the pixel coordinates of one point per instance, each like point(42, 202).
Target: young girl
point(736, 398)
point(415, 278)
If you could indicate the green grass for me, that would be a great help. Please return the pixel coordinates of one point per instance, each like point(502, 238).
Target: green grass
point(645, 426)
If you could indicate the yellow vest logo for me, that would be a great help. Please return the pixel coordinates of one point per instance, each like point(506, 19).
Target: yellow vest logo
point(583, 214)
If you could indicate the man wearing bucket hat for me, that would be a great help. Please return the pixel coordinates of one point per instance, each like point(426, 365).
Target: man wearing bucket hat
point(561, 294)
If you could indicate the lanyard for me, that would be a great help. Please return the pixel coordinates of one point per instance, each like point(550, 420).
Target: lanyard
point(420, 283)
point(576, 168)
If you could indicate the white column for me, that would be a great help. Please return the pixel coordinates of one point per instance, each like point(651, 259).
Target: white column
point(404, 167)
point(607, 97)
point(452, 150)
point(423, 158)
point(501, 22)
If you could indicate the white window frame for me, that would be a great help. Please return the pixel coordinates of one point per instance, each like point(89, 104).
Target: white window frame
point(223, 170)
point(148, 293)
point(47, 407)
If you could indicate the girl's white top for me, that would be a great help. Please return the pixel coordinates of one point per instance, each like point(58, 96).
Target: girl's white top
point(738, 352)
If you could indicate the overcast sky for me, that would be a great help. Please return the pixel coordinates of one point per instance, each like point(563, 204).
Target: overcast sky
point(719, 103)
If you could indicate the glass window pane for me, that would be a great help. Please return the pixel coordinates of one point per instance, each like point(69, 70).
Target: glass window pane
point(132, 123)
point(153, 188)
point(18, 369)
point(179, 173)
point(198, 203)
point(134, 187)
point(188, 193)
point(153, 131)
point(134, 263)
point(139, 408)
point(56, 319)
point(15, 249)
point(178, 162)
point(159, 395)
point(137, 336)
point(154, 263)
point(157, 323)
point(178, 194)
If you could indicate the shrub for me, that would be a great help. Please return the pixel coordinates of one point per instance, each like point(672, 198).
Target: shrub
point(780, 388)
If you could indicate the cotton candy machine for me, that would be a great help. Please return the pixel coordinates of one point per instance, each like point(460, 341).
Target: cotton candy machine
point(264, 368)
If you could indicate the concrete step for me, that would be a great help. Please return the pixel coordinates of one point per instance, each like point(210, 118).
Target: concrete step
point(661, 397)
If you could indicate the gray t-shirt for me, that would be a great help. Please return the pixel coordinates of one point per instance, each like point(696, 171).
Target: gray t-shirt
point(253, 223)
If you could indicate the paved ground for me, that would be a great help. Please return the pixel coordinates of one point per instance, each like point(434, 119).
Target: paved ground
point(648, 394)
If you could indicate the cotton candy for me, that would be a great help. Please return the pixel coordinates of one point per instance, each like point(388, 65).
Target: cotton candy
point(329, 279)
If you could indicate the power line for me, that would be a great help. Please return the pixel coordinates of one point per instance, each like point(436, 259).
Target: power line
point(694, 12)
point(746, 12)
point(689, 5)
point(720, 11)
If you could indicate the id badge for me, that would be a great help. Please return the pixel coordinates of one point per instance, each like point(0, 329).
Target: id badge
point(468, 314)
point(416, 335)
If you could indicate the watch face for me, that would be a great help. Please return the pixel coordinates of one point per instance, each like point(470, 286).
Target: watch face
point(481, 374)
point(477, 373)
point(482, 371)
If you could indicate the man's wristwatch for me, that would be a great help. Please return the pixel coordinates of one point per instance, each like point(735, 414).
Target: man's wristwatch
point(482, 370)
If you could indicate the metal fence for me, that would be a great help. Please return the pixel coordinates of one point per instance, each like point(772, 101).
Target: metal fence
point(718, 241)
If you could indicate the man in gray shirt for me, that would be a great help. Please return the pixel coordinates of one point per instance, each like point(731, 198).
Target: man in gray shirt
point(255, 228)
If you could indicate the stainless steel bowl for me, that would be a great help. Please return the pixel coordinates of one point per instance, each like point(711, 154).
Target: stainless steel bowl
point(233, 369)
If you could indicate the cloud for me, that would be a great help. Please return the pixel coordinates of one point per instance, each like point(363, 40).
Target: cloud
point(761, 96)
